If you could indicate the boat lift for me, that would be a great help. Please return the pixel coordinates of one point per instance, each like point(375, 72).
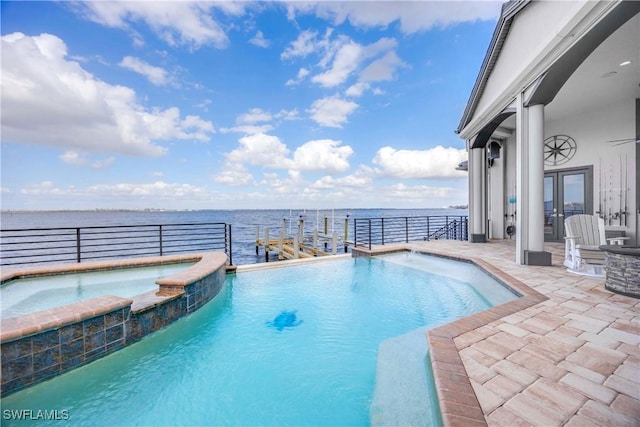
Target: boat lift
point(301, 245)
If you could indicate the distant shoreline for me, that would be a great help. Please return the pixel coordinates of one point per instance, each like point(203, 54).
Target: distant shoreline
point(10, 211)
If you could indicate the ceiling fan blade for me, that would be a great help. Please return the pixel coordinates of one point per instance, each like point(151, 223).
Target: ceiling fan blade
point(625, 140)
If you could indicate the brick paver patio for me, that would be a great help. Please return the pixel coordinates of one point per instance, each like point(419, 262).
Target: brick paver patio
point(571, 358)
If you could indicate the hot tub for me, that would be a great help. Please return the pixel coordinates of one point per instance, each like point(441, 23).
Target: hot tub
point(41, 345)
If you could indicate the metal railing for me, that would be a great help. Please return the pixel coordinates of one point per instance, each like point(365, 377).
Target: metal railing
point(380, 231)
point(77, 244)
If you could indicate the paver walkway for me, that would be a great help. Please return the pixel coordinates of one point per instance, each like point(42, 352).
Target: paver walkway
point(571, 360)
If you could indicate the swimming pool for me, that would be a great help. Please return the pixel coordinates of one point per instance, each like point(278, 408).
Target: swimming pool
point(28, 295)
point(282, 346)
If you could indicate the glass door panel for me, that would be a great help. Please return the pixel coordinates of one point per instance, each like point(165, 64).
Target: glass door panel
point(566, 193)
point(573, 193)
point(550, 208)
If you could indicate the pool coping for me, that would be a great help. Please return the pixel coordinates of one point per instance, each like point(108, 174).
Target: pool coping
point(169, 288)
point(47, 270)
point(290, 262)
point(458, 402)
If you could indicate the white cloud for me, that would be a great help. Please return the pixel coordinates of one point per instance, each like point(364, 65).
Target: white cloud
point(341, 59)
point(345, 62)
point(261, 149)
point(48, 99)
point(287, 114)
point(382, 69)
point(357, 89)
point(259, 40)
point(413, 16)
point(418, 192)
point(156, 75)
point(73, 158)
point(322, 155)
point(80, 159)
point(379, 47)
point(288, 186)
point(158, 189)
point(234, 174)
point(267, 151)
point(302, 46)
point(331, 111)
point(438, 162)
point(103, 164)
point(255, 115)
point(360, 179)
point(248, 129)
point(44, 188)
point(302, 73)
point(249, 123)
point(204, 105)
point(177, 23)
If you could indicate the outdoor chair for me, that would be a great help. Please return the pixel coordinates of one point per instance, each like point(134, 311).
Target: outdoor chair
point(584, 235)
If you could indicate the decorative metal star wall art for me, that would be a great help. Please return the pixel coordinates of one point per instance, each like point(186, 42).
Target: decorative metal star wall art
point(558, 149)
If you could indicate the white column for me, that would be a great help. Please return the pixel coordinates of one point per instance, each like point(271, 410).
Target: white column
point(536, 178)
point(476, 195)
point(522, 172)
point(530, 185)
point(476, 189)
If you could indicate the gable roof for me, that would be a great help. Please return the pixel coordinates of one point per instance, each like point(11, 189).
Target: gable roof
point(509, 10)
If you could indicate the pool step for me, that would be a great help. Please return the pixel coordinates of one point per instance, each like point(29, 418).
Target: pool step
point(401, 396)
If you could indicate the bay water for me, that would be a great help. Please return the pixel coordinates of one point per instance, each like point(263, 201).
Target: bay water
point(244, 221)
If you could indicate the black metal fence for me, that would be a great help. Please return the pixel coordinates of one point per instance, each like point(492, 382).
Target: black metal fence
point(59, 245)
point(380, 231)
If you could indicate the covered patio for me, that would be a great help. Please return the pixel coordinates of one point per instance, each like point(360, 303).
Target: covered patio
point(552, 128)
point(553, 122)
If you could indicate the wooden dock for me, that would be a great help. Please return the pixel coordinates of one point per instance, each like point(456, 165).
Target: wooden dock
point(289, 249)
point(299, 246)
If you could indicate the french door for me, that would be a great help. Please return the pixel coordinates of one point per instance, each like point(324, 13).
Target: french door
point(566, 192)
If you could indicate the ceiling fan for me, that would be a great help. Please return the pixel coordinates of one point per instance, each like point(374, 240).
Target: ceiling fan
point(625, 140)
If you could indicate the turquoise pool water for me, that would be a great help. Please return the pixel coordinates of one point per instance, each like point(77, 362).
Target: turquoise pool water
point(28, 295)
point(281, 346)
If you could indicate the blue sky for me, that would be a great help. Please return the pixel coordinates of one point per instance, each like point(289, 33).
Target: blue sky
point(229, 105)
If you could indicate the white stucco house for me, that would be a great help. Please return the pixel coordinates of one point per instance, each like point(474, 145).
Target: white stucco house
point(553, 122)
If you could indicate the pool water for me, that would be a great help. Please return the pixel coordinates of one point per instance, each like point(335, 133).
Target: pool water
point(280, 346)
point(28, 295)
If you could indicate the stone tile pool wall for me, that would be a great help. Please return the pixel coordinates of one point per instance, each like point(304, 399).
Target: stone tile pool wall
point(42, 345)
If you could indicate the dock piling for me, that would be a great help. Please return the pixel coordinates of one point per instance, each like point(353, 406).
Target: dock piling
point(257, 239)
point(346, 233)
point(296, 247)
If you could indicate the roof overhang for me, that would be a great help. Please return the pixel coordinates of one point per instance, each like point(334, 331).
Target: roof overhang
point(509, 11)
point(547, 76)
point(487, 131)
point(567, 64)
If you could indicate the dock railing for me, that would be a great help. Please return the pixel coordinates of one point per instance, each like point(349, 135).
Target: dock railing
point(381, 231)
point(35, 246)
